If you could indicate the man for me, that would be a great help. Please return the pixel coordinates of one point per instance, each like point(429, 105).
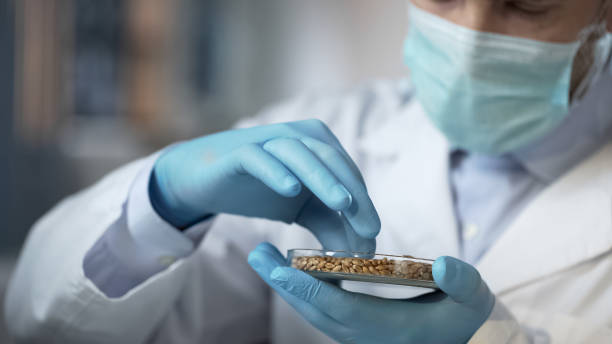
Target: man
point(497, 152)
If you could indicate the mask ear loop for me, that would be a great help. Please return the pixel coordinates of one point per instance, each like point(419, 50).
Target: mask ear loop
point(602, 50)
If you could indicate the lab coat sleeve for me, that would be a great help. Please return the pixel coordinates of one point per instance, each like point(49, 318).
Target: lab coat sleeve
point(500, 327)
point(49, 298)
point(140, 244)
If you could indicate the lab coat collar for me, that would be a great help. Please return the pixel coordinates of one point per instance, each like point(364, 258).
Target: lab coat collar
point(569, 222)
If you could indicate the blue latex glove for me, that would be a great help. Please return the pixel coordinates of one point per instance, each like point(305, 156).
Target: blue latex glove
point(449, 316)
point(291, 172)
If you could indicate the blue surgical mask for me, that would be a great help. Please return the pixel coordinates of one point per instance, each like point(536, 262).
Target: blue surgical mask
point(488, 93)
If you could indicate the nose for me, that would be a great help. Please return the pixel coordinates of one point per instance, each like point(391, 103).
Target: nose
point(477, 15)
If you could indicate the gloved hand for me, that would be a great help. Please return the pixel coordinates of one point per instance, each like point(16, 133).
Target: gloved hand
point(292, 172)
point(449, 316)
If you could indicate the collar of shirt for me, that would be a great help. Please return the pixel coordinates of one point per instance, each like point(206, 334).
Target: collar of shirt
point(586, 128)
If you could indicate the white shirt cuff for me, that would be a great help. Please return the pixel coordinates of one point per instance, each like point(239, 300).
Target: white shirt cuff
point(140, 243)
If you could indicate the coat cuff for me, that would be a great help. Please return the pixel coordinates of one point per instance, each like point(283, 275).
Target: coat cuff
point(140, 243)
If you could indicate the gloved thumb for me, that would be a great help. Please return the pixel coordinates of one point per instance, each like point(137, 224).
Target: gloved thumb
point(462, 282)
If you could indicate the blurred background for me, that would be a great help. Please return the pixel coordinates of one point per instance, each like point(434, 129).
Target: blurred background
point(88, 85)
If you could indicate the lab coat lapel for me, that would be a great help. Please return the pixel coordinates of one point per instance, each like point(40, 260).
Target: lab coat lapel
point(567, 223)
point(412, 190)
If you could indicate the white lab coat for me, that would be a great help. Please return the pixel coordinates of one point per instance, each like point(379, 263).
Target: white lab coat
point(552, 268)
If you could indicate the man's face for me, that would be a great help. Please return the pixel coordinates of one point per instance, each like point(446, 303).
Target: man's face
point(544, 20)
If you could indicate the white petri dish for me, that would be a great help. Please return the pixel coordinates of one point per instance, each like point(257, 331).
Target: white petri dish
point(364, 267)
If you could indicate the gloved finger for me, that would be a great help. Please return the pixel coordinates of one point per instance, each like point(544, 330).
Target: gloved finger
point(252, 159)
point(361, 214)
point(273, 253)
point(332, 229)
point(311, 171)
point(356, 242)
point(462, 283)
point(339, 304)
point(318, 129)
point(263, 259)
